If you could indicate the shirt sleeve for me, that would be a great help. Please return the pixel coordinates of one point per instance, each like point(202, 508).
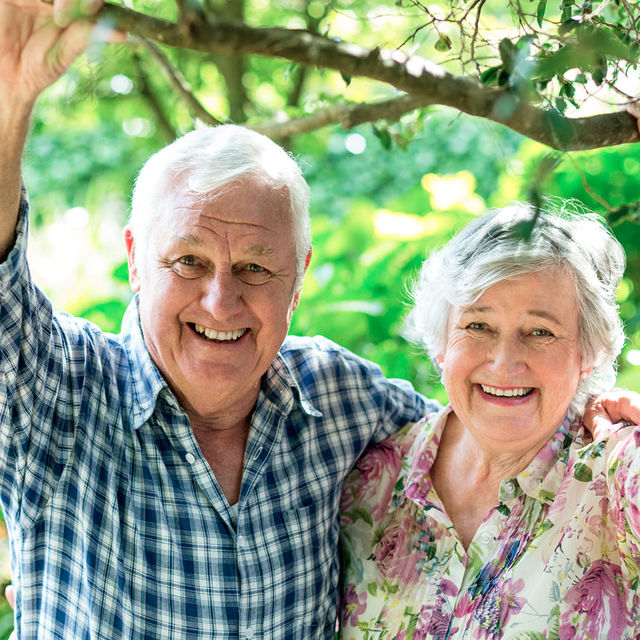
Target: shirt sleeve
point(402, 405)
point(623, 451)
point(30, 373)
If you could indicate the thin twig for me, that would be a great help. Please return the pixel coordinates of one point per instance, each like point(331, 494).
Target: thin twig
point(179, 83)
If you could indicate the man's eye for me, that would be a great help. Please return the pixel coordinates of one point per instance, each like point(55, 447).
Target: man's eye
point(252, 273)
point(189, 267)
point(477, 326)
point(541, 333)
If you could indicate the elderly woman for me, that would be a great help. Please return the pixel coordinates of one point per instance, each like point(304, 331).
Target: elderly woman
point(499, 517)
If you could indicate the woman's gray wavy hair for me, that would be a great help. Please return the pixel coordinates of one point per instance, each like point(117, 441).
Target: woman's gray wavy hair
point(492, 249)
point(205, 160)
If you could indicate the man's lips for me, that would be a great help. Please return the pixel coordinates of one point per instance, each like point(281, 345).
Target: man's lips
point(218, 336)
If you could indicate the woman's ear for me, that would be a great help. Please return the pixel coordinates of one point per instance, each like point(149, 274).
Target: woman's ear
point(584, 373)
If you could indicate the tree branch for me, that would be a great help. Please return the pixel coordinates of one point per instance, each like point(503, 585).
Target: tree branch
point(415, 76)
point(348, 115)
point(179, 84)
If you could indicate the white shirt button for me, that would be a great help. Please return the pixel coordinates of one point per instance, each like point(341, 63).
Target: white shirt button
point(190, 458)
point(485, 537)
point(510, 487)
point(249, 633)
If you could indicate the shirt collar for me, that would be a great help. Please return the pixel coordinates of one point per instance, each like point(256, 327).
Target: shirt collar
point(147, 382)
point(422, 454)
point(280, 387)
point(540, 480)
point(543, 476)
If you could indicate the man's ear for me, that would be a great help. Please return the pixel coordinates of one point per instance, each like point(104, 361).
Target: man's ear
point(296, 297)
point(134, 276)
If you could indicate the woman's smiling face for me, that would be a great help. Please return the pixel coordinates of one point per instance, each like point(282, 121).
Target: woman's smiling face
point(512, 360)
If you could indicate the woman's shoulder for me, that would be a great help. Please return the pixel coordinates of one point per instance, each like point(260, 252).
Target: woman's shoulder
point(371, 483)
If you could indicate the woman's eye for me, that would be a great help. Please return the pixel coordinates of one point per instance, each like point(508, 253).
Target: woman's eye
point(477, 326)
point(187, 260)
point(541, 333)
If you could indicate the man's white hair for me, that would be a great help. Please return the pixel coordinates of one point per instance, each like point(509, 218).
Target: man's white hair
point(205, 160)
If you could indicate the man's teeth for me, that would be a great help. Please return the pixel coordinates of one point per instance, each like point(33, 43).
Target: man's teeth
point(222, 336)
point(506, 393)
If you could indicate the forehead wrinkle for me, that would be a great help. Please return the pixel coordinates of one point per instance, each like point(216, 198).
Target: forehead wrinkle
point(243, 223)
point(257, 250)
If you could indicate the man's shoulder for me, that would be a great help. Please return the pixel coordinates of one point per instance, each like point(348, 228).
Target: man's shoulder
point(85, 342)
point(318, 353)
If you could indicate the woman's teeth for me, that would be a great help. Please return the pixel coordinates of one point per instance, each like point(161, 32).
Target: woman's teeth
point(506, 393)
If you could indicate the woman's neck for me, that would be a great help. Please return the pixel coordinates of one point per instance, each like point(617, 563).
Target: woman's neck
point(467, 474)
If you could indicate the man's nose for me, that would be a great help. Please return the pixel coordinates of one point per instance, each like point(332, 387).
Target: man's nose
point(222, 295)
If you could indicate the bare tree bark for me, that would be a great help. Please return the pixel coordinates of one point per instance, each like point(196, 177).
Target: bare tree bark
point(421, 79)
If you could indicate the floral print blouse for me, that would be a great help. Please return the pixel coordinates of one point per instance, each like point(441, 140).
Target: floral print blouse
point(558, 557)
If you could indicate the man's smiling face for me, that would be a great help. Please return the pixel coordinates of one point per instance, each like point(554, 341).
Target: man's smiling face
point(217, 291)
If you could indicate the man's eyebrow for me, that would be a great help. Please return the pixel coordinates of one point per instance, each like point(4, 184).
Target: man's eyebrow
point(190, 239)
point(260, 250)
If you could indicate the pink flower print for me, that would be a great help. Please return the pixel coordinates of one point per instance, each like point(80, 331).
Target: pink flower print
point(353, 606)
point(378, 473)
point(595, 608)
point(396, 556)
point(496, 608)
point(465, 606)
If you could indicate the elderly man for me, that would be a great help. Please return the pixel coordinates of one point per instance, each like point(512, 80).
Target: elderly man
point(182, 479)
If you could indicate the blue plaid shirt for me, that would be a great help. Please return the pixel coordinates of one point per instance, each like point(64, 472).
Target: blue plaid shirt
point(118, 528)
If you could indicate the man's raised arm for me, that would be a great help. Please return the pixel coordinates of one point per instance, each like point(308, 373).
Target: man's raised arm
point(38, 42)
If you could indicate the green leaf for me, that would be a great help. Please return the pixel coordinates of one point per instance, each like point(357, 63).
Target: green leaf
point(346, 78)
point(542, 7)
point(508, 54)
point(360, 514)
point(600, 72)
point(566, 8)
point(560, 104)
point(490, 75)
point(582, 472)
point(372, 588)
point(443, 43)
point(567, 25)
point(382, 133)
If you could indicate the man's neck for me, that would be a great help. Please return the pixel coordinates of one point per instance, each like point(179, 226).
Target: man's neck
point(223, 449)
